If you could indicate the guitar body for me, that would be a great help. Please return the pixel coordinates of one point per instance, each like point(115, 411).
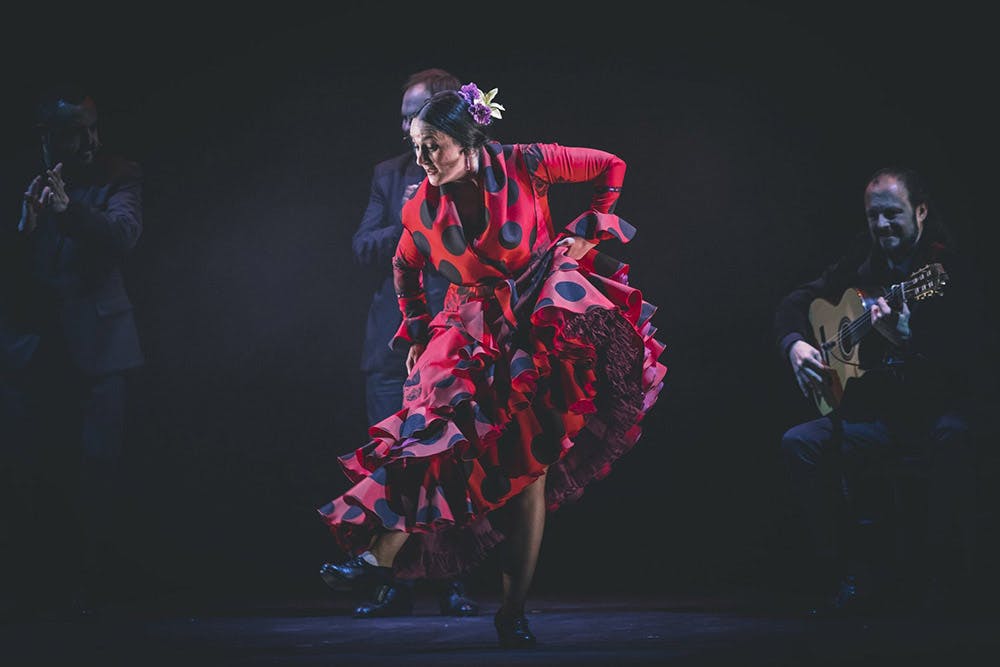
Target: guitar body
point(840, 326)
point(831, 325)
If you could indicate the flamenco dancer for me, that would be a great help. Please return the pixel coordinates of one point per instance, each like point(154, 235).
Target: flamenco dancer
point(529, 384)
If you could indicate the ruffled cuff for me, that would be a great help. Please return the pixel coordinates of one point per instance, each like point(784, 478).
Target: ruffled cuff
point(412, 330)
point(605, 265)
point(595, 226)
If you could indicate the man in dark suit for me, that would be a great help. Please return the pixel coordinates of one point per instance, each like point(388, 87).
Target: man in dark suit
point(394, 181)
point(374, 243)
point(67, 338)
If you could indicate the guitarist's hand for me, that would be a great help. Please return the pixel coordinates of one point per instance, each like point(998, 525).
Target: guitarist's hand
point(893, 324)
point(810, 371)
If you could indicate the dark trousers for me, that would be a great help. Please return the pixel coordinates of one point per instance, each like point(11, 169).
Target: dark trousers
point(384, 397)
point(61, 437)
point(827, 456)
point(384, 393)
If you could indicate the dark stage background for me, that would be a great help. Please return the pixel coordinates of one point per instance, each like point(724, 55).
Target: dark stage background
point(749, 133)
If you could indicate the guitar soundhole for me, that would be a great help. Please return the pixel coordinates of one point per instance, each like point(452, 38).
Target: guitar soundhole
point(845, 341)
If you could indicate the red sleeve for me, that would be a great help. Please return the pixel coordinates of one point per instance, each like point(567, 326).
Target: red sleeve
point(605, 171)
point(408, 281)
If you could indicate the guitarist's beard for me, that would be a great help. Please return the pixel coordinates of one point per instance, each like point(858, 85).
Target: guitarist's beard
point(896, 243)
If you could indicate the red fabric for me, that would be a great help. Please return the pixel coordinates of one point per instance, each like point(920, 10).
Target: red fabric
point(538, 363)
point(515, 181)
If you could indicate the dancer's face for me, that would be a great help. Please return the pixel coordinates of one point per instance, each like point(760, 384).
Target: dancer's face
point(441, 157)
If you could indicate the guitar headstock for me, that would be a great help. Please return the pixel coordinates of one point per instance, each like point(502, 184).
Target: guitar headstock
point(925, 282)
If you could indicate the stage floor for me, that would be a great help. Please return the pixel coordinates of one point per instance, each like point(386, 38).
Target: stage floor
point(572, 630)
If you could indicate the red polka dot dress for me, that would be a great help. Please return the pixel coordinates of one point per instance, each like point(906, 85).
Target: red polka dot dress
point(538, 363)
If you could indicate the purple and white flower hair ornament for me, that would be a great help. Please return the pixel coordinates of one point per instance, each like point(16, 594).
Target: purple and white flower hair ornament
point(481, 105)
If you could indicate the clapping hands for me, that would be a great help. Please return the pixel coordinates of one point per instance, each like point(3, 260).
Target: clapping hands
point(46, 192)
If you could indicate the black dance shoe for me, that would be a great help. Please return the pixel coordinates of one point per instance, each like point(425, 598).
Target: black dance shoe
point(351, 574)
point(453, 602)
point(850, 599)
point(513, 631)
point(391, 599)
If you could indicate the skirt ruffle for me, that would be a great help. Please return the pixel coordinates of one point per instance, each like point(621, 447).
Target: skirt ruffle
point(550, 374)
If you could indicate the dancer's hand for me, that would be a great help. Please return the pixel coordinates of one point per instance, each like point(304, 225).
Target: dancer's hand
point(578, 246)
point(31, 204)
point(54, 195)
point(416, 350)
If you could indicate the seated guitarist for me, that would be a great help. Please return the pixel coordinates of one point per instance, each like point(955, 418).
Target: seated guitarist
point(914, 396)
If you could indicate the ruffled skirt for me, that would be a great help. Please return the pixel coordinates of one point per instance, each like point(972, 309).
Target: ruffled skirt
point(551, 373)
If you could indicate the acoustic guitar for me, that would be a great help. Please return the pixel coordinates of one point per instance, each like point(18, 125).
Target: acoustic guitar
point(839, 327)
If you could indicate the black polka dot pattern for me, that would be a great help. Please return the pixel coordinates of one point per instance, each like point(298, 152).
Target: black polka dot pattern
point(532, 157)
point(481, 415)
point(416, 329)
point(445, 383)
point(520, 364)
point(413, 423)
point(385, 513)
point(459, 397)
point(477, 424)
point(606, 265)
point(433, 437)
point(628, 231)
point(570, 291)
point(495, 484)
point(454, 240)
point(510, 235)
point(545, 448)
point(428, 213)
point(428, 514)
point(423, 245)
point(494, 178)
point(647, 312)
point(448, 270)
point(552, 425)
point(585, 226)
point(513, 192)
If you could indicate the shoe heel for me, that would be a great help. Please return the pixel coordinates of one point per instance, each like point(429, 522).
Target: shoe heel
point(513, 632)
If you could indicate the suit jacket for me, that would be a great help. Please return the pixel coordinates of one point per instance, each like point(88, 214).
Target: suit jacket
point(374, 244)
point(62, 284)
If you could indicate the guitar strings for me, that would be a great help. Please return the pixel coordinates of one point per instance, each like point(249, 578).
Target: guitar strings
point(864, 320)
